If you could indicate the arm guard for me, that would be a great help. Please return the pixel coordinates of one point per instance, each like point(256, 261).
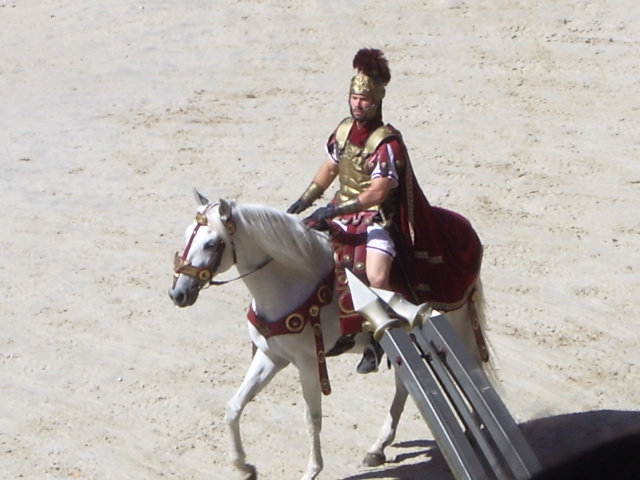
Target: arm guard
point(312, 193)
point(350, 206)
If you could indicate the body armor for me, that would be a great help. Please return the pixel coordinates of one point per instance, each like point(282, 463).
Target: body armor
point(357, 163)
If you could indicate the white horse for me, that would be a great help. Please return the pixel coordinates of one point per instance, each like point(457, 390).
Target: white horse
point(281, 262)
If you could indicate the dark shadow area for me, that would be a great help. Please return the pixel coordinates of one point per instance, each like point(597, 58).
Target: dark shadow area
point(426, 448)
point(602, 444)
point(608, 440)
point(561, 437)
point(617, 459)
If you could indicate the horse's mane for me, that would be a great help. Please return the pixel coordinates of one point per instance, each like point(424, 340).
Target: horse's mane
point(286, 239)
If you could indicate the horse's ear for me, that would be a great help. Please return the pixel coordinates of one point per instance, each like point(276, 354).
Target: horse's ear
point(224, 209)
point(200, 198)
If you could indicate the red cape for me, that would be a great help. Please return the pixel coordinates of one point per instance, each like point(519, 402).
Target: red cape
point(439, 252)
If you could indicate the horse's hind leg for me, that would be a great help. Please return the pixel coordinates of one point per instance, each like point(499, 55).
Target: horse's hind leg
point(375, 455)
point(261, 371)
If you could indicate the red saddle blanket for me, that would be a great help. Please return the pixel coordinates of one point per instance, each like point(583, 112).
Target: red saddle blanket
point(442, 268)
point(438, 260)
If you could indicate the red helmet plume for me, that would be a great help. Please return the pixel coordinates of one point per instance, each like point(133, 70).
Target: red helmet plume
point(372, 63)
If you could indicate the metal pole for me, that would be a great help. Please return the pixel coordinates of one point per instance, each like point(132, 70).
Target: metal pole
point(471, 425)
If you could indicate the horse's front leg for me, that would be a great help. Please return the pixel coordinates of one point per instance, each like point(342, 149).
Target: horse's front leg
point(261, 371)
point(375, 455)
point(313, 414)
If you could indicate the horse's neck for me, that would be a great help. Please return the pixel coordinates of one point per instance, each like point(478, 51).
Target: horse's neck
point(278, 287)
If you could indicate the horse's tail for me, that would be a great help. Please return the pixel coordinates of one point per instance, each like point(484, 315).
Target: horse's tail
point(477, 305)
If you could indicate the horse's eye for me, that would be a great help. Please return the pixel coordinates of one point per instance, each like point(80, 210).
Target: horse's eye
point(211, 244)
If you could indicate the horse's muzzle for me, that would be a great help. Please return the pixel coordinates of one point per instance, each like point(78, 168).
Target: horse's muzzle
point(184, 297)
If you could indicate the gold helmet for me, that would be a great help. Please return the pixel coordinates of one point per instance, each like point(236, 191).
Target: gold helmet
point(372, 77)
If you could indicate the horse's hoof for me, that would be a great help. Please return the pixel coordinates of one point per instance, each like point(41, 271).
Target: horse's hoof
point(250, 473)
point(374, 459)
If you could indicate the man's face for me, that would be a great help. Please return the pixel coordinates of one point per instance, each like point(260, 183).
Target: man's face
point(361, 106)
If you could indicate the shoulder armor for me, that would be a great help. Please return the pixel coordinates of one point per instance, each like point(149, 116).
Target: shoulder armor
point(374, 140)
point(342, 132)
point(378, 136)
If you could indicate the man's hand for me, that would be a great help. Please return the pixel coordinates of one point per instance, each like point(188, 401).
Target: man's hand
point(311, 194)
point(298, 206)
point(318, 218)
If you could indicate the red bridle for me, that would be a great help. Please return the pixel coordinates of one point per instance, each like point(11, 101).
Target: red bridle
point(181, 266)
point(204, 275)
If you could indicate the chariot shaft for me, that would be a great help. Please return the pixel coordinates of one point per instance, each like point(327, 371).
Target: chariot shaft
point(475, 432)
point(471, 425)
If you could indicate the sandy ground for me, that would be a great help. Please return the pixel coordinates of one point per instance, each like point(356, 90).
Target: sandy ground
point(523, 118)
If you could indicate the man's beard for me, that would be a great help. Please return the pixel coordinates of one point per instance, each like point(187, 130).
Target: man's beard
point(364, 115)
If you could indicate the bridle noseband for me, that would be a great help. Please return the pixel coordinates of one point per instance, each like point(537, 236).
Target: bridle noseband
point(204, 275)
point(181, 266)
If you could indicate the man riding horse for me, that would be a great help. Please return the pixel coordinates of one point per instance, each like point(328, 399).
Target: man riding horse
point(372, 216)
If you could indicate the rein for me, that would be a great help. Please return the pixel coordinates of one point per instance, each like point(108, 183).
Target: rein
point(204, 275)
point(217, 283)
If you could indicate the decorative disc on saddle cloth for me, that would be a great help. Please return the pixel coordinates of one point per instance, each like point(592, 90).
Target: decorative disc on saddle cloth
point(350, 251)
point(443, 271)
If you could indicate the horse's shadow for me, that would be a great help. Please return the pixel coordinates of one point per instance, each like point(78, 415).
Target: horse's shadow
point(434, 464)
point(553, 439)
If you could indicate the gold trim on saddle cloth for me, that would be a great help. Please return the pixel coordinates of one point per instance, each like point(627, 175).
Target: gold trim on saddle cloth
point(295, 322)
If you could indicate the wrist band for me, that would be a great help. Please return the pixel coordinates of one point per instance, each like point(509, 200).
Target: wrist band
point(350, 206)
point(312, 193)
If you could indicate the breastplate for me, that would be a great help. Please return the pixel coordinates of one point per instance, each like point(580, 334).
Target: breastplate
point(354, 172)
point(356, 165)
